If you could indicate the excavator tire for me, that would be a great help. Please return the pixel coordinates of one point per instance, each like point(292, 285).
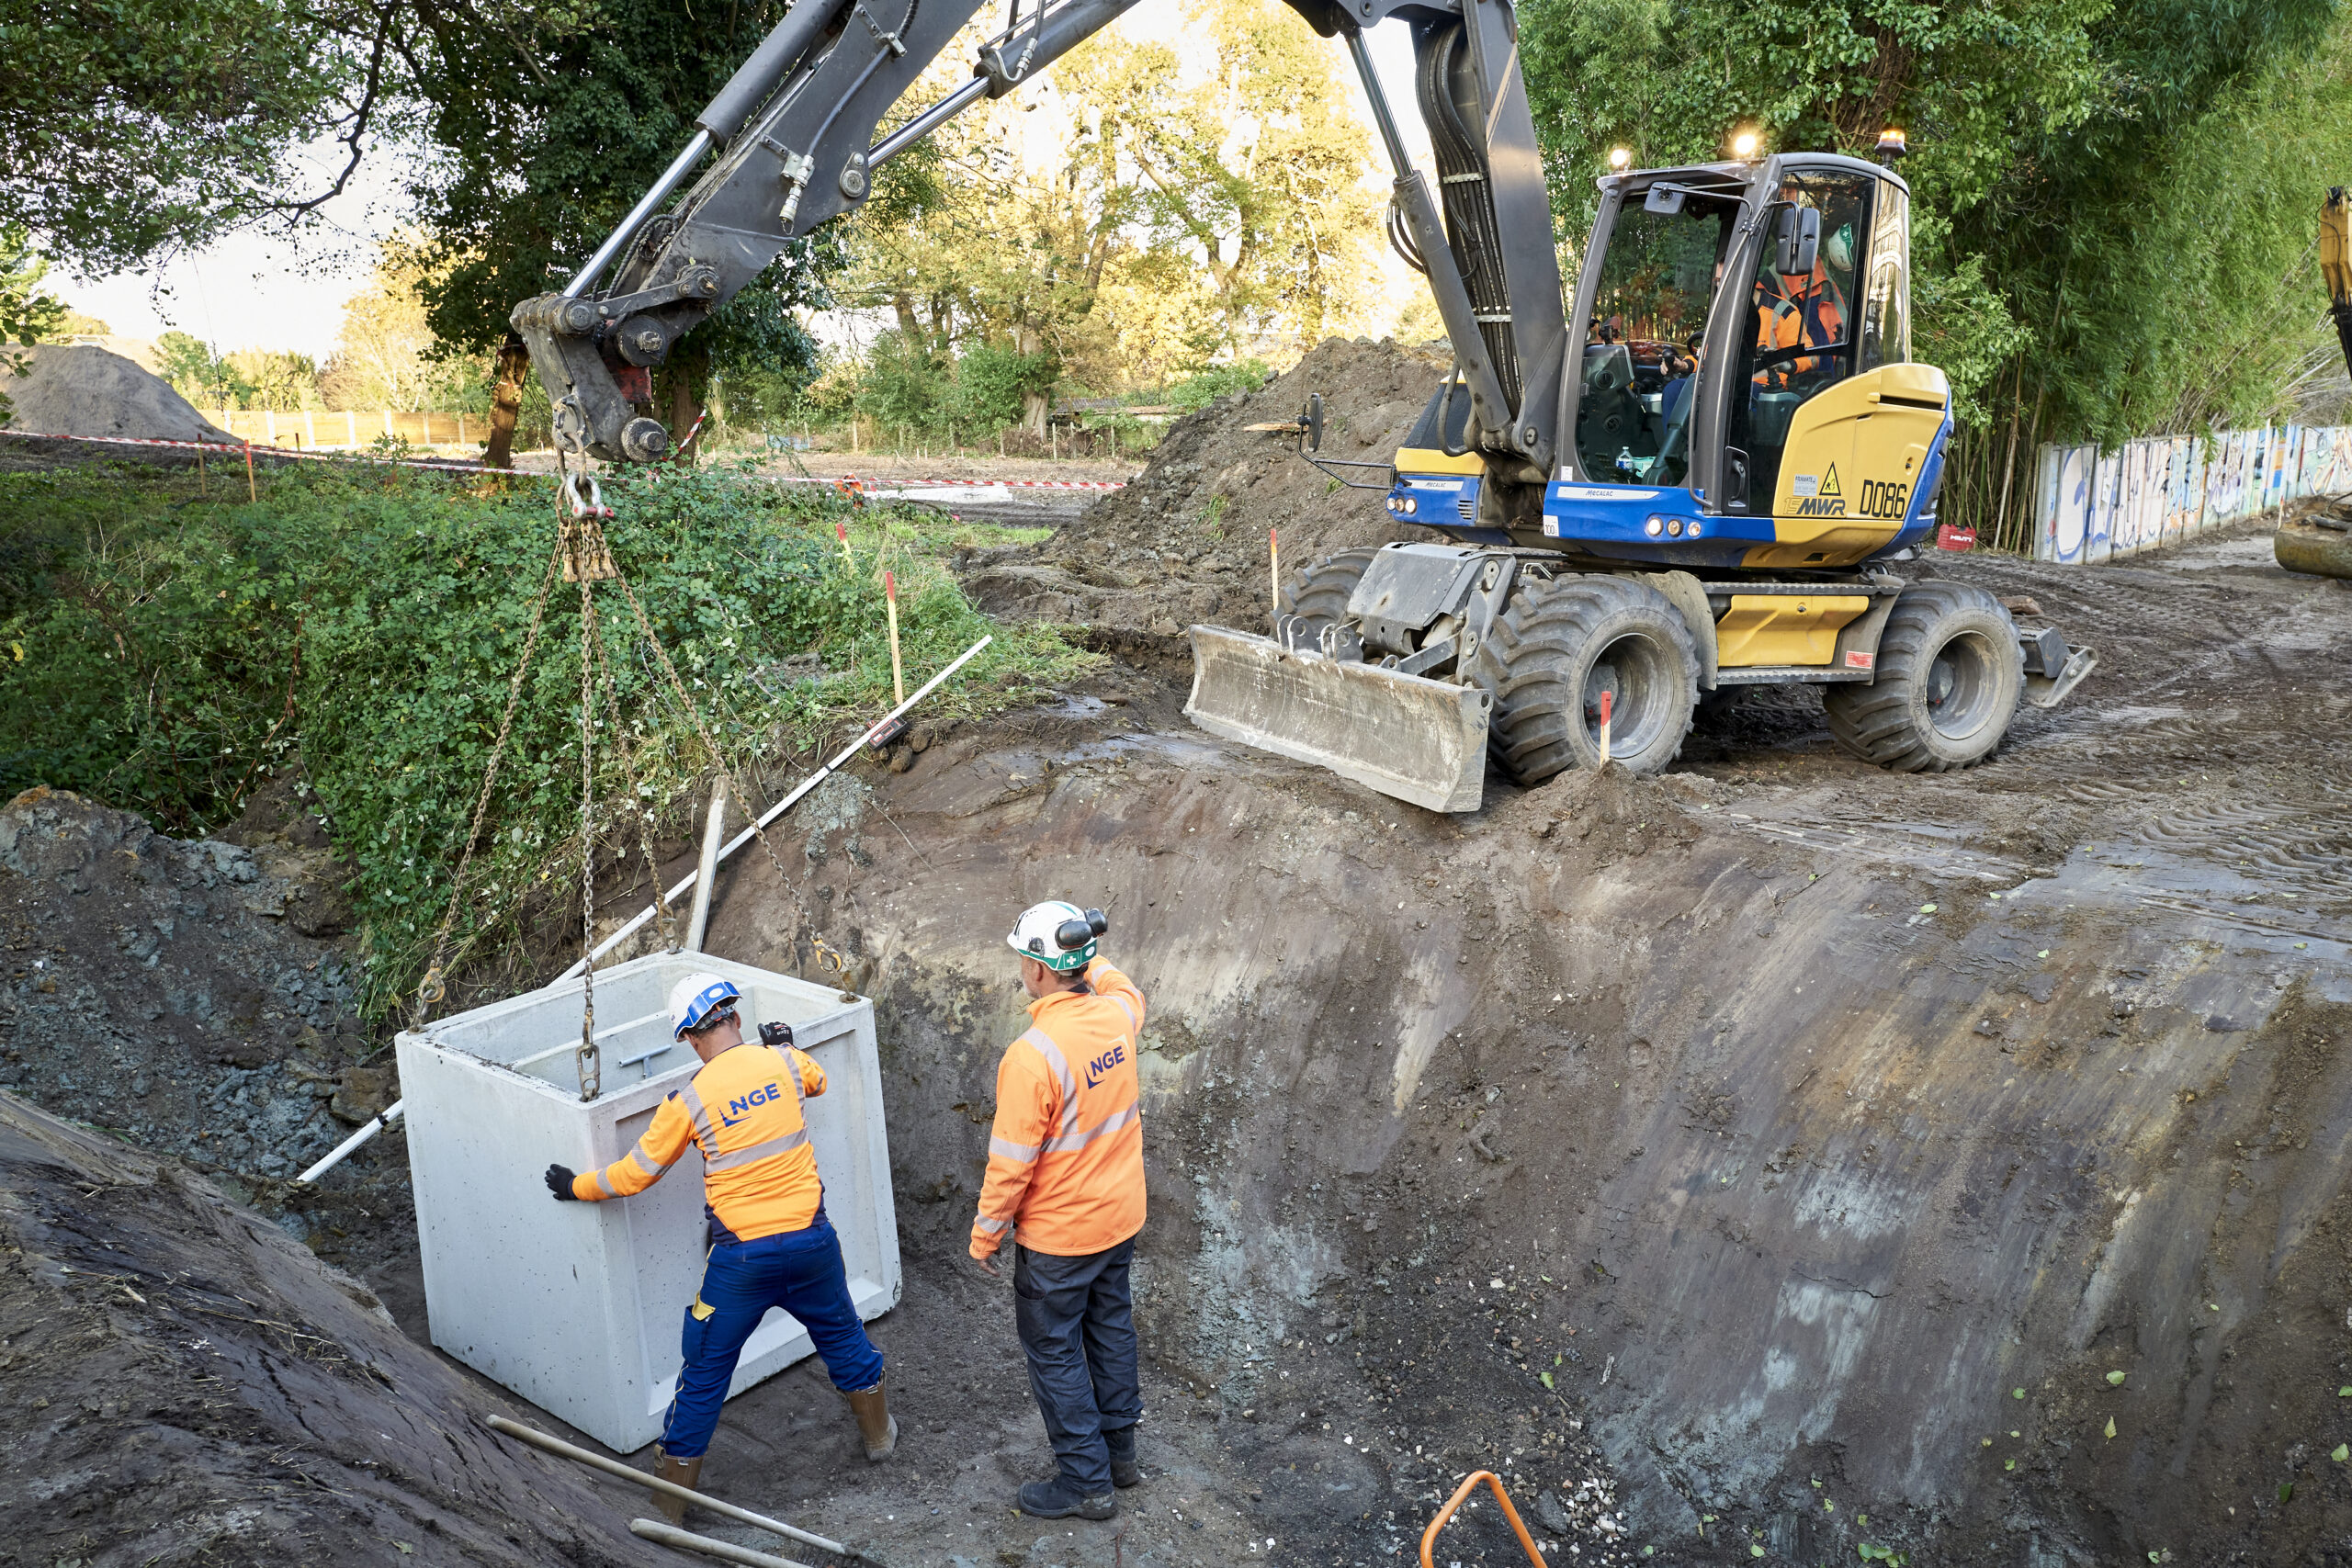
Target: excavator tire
point(1947, 685)
point(1557, 646)
point(1321, 591)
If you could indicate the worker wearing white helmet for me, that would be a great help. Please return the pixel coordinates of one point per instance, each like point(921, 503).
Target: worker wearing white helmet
point(771, 1245)
point(1065, 1182)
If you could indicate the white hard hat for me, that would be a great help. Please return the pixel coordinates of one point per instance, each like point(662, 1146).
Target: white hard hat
point(1058, 935)
point(695, 998)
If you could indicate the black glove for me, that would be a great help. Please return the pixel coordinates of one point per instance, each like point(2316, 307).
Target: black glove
point(560, 1183)
point(778, 1035)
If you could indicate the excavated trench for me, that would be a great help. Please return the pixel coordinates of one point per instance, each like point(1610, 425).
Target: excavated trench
point(1777, 1160)
point(1804, 1157)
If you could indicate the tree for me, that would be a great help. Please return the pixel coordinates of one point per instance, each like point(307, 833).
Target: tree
point(28, 314)
point(383, 357)
point(132, 126)
point(198, 373)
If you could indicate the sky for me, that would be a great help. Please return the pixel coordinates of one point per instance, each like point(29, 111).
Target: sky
point(261, 290)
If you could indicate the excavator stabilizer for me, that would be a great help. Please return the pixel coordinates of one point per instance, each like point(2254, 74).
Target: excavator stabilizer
point(1406, 735)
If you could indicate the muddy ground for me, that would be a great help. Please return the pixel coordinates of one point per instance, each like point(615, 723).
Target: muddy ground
point(1784, 1155)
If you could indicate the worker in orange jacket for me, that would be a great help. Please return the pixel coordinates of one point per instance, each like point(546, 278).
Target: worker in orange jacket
point(771, 1245)
point(1066, 1182)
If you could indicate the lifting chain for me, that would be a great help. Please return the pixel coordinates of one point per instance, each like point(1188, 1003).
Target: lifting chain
point(587, 560)
point(435, 986)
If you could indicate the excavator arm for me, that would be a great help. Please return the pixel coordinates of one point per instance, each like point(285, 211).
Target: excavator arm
point(793, 135)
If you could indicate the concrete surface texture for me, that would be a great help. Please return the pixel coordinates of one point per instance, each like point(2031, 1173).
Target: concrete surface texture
point(82, 389)
point(577, 1306)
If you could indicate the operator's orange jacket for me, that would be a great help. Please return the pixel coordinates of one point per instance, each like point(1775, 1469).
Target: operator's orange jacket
point(759, 1175)
point(1066, 1155)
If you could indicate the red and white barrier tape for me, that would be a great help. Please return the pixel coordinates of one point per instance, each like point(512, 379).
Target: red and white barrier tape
point(290, 453)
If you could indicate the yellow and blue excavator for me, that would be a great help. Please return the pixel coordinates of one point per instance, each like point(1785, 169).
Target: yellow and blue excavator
point(1698, 473)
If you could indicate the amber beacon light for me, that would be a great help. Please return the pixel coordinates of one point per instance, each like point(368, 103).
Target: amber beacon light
point(1891, 144)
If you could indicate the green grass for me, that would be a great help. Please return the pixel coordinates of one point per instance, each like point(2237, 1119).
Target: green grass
point(166, 651)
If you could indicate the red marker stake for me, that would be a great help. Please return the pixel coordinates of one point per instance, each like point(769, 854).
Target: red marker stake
point(1607, 702)
point(1274, 571)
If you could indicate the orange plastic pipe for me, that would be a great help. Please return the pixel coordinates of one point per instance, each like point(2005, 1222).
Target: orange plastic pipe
point(1429, 1535)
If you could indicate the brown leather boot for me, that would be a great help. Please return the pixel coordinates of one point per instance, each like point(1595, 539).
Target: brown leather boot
point(686, 1472)
point(874, 1422)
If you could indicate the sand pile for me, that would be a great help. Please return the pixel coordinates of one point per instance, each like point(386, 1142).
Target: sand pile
point(79, 390)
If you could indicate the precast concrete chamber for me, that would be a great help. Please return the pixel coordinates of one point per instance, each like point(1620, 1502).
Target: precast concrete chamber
point(577, 1306)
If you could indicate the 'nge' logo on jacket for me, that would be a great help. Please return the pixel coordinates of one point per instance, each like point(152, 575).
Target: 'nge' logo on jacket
point(742, 1105)
point(1104, 1063)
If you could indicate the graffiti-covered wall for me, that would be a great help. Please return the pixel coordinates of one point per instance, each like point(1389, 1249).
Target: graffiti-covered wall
point(2093, 506)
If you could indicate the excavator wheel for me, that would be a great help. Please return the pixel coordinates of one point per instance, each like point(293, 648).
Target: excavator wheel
point(1558, 646)
point(1947, 685)
point(1320, 592)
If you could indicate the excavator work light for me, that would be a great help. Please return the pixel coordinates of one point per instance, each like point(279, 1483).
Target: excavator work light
point(1621, 158)
point(1744, 144)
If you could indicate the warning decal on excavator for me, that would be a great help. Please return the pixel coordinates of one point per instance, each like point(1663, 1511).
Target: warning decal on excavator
point(1829, 481)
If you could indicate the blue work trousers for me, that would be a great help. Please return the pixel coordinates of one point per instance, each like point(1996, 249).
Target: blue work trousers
point(800, 1271)
point(1077, 1319)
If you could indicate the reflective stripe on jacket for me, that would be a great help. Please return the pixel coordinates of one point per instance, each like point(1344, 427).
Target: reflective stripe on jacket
point(1066, 1155)
point(742, 1111)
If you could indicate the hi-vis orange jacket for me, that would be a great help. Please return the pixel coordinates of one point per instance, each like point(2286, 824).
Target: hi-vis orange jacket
point(759, 1175)
point(1066, 1155)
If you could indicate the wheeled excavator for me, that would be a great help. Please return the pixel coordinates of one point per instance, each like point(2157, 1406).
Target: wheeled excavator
point(1696, 475)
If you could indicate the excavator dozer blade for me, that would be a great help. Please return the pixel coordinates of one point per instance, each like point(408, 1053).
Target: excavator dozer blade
point(1416, 738)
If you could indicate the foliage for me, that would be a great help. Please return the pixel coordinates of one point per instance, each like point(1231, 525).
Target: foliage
point(550, 123)
point(133, 126)
point(166, 638)
point(1198, 392)
point(28, 314)
point(197, 373)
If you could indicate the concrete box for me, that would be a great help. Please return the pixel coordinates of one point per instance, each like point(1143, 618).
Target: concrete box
point(578, 1306)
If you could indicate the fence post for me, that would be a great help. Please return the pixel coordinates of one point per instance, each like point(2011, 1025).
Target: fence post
point(387, 424)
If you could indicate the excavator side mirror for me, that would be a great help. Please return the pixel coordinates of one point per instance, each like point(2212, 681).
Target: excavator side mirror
point(1310, 423)
point(1796, 240)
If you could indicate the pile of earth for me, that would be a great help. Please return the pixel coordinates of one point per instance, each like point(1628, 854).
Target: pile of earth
point(196, 997)
point(81, 390)
point(1185, 541)
point(189, 1386)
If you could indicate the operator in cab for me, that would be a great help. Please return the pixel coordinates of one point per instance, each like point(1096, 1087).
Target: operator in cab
point(771, 1245)
point(1065, 1183)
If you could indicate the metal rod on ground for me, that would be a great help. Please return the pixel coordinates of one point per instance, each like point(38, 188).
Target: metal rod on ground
point(555, 1445)
point(898, 675)
point(687, 1540)
point(787, 802)
point(713, 829)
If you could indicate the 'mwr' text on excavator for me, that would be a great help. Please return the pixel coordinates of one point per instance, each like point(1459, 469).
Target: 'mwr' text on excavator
point(1702, 485)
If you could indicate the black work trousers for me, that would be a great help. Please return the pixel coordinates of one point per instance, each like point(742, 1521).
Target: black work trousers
point(1077, 1319)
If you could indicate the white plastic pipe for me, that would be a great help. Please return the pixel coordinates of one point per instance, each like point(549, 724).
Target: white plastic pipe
point(779, 808)
point(350, 1145)
point(713, 829)
point(553, 1445)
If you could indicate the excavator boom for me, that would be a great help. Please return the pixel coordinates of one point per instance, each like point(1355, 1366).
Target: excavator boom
point(790, 142)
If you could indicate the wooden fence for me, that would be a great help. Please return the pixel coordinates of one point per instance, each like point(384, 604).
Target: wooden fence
point(348, 428)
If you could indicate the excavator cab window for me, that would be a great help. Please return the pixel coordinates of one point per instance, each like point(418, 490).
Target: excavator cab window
point(1663, 256)
point(1804, 329)
point(1886, 292)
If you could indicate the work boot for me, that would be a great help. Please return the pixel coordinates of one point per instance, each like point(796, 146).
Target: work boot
point(686, 1472)
point(1124, 1471)
point(1058, 1499)
point(874, 1422)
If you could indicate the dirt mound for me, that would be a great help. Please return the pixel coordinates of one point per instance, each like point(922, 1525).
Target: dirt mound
point(81, 390)
point(187, 1384)
point(196, 997)
point(1185, 541)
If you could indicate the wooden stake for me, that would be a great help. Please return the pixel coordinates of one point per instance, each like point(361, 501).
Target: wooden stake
point(199, 470)
point(898, 672)
point(252, 492)
point(1275, 571)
